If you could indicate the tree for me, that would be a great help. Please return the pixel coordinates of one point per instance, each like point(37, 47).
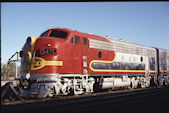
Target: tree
point(9, 70)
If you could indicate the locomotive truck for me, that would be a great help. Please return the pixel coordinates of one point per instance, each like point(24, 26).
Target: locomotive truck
point(65, 62)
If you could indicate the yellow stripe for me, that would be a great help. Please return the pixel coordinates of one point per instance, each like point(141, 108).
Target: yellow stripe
point(33, 40)
point(163, 71)
point(98, 70)
point(54, 63)
point(42, 62)
point(107, 70)
point(152, 71)
point(35, 93)
point(102, 61)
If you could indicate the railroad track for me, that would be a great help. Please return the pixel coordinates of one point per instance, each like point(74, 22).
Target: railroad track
point(129, 100)
point(117, 101)
point(110, 92)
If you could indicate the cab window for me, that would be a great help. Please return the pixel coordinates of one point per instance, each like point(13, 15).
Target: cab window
point(58, 33)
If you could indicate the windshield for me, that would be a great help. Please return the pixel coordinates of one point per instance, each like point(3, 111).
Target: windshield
point(58, 33)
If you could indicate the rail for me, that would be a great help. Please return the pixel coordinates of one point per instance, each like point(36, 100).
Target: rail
point(89, 102)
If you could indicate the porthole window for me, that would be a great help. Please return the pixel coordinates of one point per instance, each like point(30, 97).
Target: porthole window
point(141, 59)
point(99, 54)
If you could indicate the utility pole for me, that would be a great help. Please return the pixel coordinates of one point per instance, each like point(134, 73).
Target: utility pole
point(17, 60)
point(16, 71)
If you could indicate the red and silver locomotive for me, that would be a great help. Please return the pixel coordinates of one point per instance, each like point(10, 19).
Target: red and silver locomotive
point(62, 62)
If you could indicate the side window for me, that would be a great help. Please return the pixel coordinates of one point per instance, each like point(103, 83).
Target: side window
point(78, 40)
point(84, 41)
point(73, 40)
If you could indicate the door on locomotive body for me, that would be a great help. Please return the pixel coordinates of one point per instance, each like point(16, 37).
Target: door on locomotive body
point(85, 45)
point(75, 53)
point(163, 61)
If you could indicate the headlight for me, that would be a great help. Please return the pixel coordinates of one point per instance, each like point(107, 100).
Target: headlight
point(28, 56)
point(28, 41)
point(31, 42)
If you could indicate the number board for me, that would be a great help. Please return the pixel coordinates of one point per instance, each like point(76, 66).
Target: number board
point(48, 51)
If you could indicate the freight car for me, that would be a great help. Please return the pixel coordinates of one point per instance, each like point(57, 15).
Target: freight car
point(65, 62)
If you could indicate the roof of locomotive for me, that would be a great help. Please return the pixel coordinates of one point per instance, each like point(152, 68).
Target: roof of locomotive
point(87, 35)
point(130, 43)
point(107, 39)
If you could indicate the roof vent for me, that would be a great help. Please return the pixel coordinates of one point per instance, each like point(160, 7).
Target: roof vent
point(108, 36)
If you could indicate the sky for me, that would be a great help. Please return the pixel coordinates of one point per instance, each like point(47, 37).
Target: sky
point(145, 23)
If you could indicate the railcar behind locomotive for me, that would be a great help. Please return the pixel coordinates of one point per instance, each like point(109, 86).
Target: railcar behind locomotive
point(62, 61)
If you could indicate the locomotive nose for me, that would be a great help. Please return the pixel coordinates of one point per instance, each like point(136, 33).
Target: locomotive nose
point(45, 47)
point(46, 55)
point(46, 43)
